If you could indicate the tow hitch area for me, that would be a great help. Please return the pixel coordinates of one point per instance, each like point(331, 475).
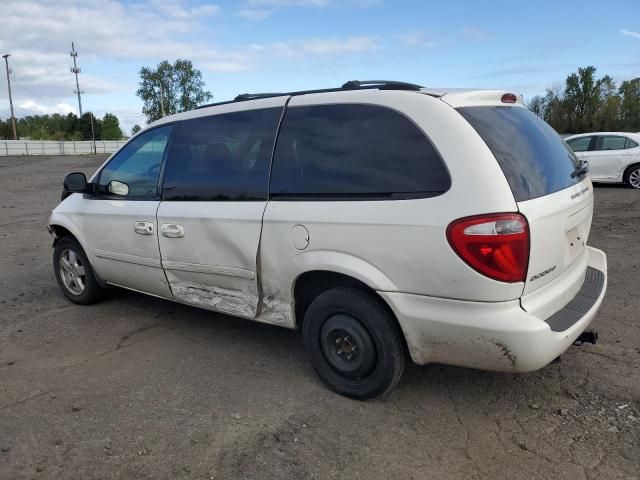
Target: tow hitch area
point(588, 336)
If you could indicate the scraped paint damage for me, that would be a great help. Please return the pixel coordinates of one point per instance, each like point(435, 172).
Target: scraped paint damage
point(232, 302)
point(277, 311)
point(481, 352)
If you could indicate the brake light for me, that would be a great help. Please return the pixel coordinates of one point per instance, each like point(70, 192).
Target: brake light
point(496, 245)
point(509, 98)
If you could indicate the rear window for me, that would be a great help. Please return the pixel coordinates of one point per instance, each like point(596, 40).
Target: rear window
point(355, 152)
point(533, 157)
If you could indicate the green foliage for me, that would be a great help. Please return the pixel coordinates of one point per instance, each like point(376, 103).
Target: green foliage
point(630, 105)
point(587, 103)
point(135, 129)
point(63, 127)
point(174, 88)
point(111, 127)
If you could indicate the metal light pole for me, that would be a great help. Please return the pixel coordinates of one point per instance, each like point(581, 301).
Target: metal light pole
point(13, 118)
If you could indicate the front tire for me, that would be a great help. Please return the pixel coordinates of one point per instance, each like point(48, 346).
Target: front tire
point(632, 176)
point(353, 342)
point(74, 273)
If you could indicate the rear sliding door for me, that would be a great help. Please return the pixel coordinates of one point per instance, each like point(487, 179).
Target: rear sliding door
point(213, 197)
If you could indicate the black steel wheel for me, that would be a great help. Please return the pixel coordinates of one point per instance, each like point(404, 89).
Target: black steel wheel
point(353, 343)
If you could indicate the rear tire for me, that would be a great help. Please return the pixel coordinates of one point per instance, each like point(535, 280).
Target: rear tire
point(353, 343)
point(632, 176)
point(74, 274)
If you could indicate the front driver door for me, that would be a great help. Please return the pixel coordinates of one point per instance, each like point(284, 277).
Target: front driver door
point(120, 222)
point(214, 195)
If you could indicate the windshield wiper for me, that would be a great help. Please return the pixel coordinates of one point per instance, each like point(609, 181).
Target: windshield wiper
point(581, 169)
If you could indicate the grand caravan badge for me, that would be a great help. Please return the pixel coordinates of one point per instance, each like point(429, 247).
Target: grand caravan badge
point(580, 193)
point(542, 274)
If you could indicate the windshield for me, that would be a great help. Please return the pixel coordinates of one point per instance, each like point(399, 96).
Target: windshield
point(533, 157)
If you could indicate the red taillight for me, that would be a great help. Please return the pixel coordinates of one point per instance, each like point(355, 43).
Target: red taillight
point(496, 245)
point(509, 98)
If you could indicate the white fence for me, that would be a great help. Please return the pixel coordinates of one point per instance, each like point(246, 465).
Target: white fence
point(49, 147)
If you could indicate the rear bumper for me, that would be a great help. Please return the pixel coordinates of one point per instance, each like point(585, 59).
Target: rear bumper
point(491, 336)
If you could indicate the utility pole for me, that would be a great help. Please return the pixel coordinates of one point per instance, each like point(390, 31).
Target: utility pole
point(75, 69)
point(93, 134)
point(13, 118)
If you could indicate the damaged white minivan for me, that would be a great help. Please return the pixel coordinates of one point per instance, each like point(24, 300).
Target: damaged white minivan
point(381, 218)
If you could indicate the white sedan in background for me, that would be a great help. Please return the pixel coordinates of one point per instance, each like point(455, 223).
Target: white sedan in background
point(613, 157)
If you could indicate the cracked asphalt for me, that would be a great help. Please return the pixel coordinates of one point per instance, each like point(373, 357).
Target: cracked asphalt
point(137, 387)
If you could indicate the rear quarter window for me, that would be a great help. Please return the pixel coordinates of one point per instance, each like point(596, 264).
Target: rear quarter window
point(533, 157)
point(354, 151)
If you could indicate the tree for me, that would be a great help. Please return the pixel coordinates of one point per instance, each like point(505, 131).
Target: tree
point(171, 88)
point(582, 93)
point(84, 127)
point(630, 105)
point(111, 127)
point(608, 115)
point(62, 127)
point(6, 130)
point(537, 105)
point(135, 129)
point(555, 112)
point(589, 104)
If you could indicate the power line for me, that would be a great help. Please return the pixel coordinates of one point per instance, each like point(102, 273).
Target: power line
point(76, 70)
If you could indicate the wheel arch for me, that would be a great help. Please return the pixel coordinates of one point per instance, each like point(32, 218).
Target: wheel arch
point(309, 284)
point(61, 229)
point(627, 170)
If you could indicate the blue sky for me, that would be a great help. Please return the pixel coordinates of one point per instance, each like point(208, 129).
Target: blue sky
point(276, 45)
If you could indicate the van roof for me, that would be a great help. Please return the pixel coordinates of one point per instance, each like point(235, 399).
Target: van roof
point(347, 86)
point(456, 97)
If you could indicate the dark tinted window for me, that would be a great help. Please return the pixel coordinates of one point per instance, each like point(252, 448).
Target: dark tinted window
point(630, 144)
point(138, 164)
point(610, 142)
point(579, 144)
point(222, 157)
point(532, 155)
point(364, 151)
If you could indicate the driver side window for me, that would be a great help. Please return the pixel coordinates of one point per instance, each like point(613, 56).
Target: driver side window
point(138, 164)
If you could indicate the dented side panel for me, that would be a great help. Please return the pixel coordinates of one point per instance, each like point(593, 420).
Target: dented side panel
point(214, 264)
point(233, 302)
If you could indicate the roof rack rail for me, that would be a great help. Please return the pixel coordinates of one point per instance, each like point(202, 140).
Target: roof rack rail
point(380, 84)
point(350, 85)
point(252, 96)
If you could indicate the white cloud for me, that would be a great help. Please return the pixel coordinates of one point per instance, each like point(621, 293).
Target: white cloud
point(288, 3)
point(178, 10)
point(261, 9)
point(226, 67)
point(254, 13)
point(415, 39)
point(318, 46)
point(31, 107)
point(115, 39)
point(630, 33)
point(477, 33)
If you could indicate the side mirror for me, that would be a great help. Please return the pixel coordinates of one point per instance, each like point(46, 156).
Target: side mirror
point(118, 188)
point(75, 182)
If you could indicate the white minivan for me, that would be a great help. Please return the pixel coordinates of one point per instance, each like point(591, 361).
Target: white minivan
point(380, 218)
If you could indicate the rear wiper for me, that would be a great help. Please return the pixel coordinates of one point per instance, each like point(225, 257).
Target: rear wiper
point(581, 169)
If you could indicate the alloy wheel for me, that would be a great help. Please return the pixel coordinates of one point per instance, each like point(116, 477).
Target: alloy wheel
point(72, 272)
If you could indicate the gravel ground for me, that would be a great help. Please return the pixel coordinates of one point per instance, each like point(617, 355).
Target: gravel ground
point(137, 387)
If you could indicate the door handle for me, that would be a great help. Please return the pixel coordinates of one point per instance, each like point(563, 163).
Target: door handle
point(143, 228)
point(171, 230)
